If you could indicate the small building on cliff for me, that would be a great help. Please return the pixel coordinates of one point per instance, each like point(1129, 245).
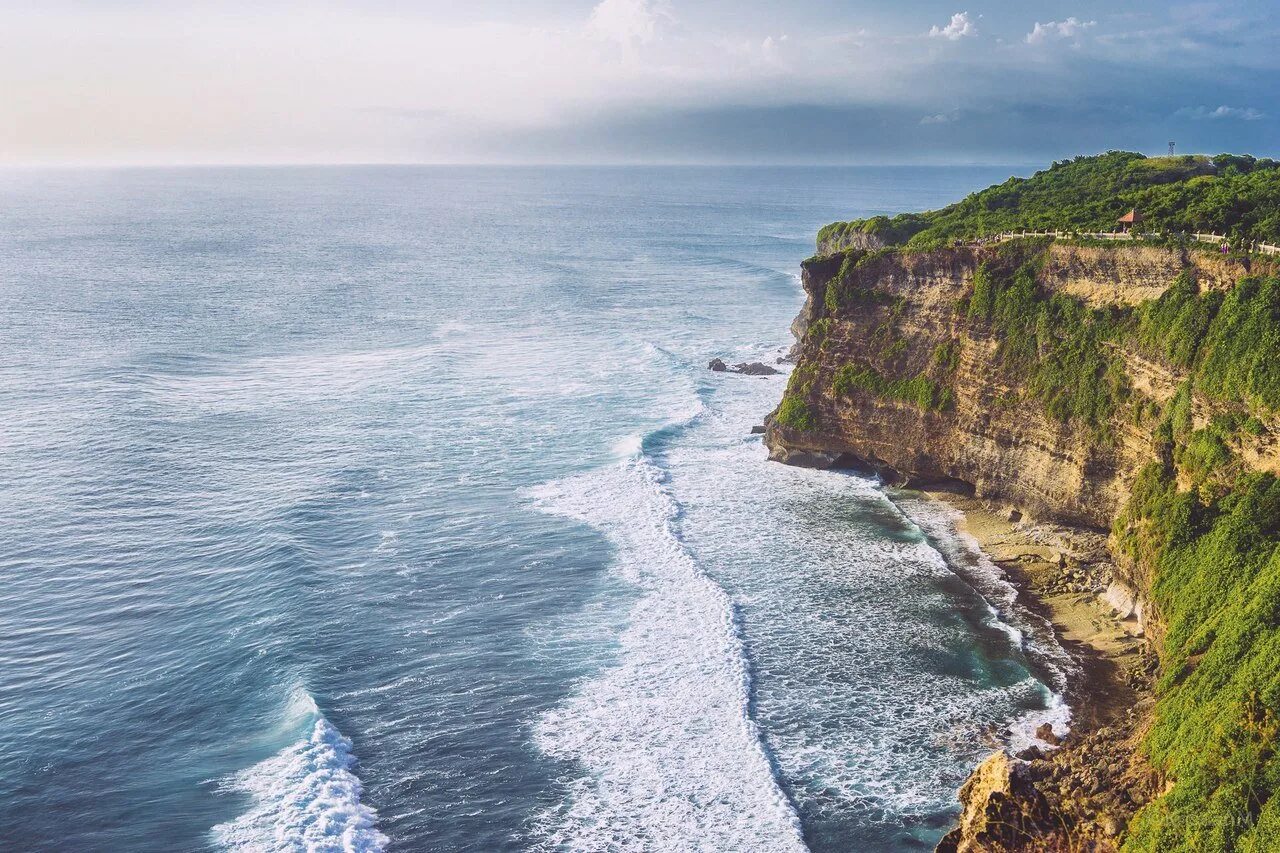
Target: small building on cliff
point(1129, 220)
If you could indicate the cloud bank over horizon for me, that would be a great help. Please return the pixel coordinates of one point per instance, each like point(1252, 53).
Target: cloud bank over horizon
point(617, 81)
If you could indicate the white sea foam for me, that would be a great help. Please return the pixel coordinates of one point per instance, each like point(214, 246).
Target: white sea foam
point(666, 754)
point(1027, 630)
point(873, 693)
point(306, 799)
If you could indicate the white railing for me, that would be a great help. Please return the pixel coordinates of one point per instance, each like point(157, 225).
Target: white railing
point(1216, 239)
point(1005, 236)
point(1219, 239)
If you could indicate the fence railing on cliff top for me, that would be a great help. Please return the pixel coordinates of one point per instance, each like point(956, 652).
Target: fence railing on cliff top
point(1216, 239)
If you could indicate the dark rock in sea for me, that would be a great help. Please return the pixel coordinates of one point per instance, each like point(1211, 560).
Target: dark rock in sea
point(821, 460)
point(758, 429)
point(717, 365)
point(755, 368)
point(1045, 733)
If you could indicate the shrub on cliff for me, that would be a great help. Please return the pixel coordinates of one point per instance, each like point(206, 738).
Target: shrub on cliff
point(1175, 324)
point(919, 390)
point(794, 413)
point(1229, 341)
point(1241, 350)
point(1053, 342)
point(881, 230)
point(1215, 735)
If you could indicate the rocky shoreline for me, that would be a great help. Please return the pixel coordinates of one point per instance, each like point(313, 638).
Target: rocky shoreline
point(1081, 795)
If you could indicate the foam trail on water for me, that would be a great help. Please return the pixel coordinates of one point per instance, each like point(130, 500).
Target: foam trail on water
point(306, 799)
point(666, 753)
point(1028, 631)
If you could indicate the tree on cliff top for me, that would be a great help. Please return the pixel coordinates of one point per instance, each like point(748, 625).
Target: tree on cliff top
point(1232, 194)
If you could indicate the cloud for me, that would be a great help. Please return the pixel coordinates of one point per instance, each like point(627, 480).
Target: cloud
point(627, 21)
point(959, 27)
point(771, 46)
point(1203, 113)
point(1068, 29)
point(578, 82)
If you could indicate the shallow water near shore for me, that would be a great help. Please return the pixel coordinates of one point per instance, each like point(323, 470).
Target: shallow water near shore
point(396, 508)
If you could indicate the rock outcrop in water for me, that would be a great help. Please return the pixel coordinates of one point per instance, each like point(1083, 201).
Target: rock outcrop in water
point(1037, 376)
point(753, 368)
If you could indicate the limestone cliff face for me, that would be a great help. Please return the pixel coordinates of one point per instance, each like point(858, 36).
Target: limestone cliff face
point(992, 439)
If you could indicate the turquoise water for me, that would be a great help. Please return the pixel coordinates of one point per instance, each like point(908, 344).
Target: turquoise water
point(394, 508)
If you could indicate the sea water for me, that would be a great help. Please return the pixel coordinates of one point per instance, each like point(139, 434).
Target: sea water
point(395, 509)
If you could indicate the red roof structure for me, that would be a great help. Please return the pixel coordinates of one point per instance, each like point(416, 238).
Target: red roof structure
point(1130, 219)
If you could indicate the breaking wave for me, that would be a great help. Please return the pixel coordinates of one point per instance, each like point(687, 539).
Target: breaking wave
point(665, 753)
point(305, 798)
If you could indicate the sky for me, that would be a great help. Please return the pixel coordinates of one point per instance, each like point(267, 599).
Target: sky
point(632, 81)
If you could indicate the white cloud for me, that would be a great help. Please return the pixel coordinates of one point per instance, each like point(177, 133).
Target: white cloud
point(959, 27)
point(939, 118)
point(771, 48)
point(1203, 113)
point(627, 21)
point(1069, 29)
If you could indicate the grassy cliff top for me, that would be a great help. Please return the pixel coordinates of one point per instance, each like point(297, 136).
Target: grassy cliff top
point(1232, 194)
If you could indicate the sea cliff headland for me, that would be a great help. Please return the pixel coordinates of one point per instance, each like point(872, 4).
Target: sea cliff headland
point(1107, 411)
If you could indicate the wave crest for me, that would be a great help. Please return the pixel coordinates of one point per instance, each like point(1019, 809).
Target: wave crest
point(305, 798)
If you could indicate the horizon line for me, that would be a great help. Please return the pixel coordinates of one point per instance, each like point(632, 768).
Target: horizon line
point(270, 164)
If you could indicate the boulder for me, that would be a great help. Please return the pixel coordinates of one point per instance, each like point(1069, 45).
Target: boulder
point(1002, 810)
point(717, 365)
point(1045, 733)
point(755, 368)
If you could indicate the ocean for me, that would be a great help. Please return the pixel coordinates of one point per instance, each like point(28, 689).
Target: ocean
point(395, 508)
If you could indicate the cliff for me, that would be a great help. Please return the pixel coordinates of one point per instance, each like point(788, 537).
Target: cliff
point(896, 313)
point(1129, 389)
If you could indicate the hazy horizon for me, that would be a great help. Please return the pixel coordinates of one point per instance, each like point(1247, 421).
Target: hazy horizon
point(631, 82)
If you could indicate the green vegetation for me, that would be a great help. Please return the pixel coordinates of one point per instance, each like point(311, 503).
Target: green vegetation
point(1227, 194)
point(1061, 349)
point(842, 290)
point(1176, 323)
point(892, 231)
point(1240, 354)
point(1229, 341)
point(1217, 584)
point(1213, 552)
point(894, 349)
point(818, 331)
point(795, 413)
point(831, 299)
point(1208, 450)
point(919, 390)
point(946, 356)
